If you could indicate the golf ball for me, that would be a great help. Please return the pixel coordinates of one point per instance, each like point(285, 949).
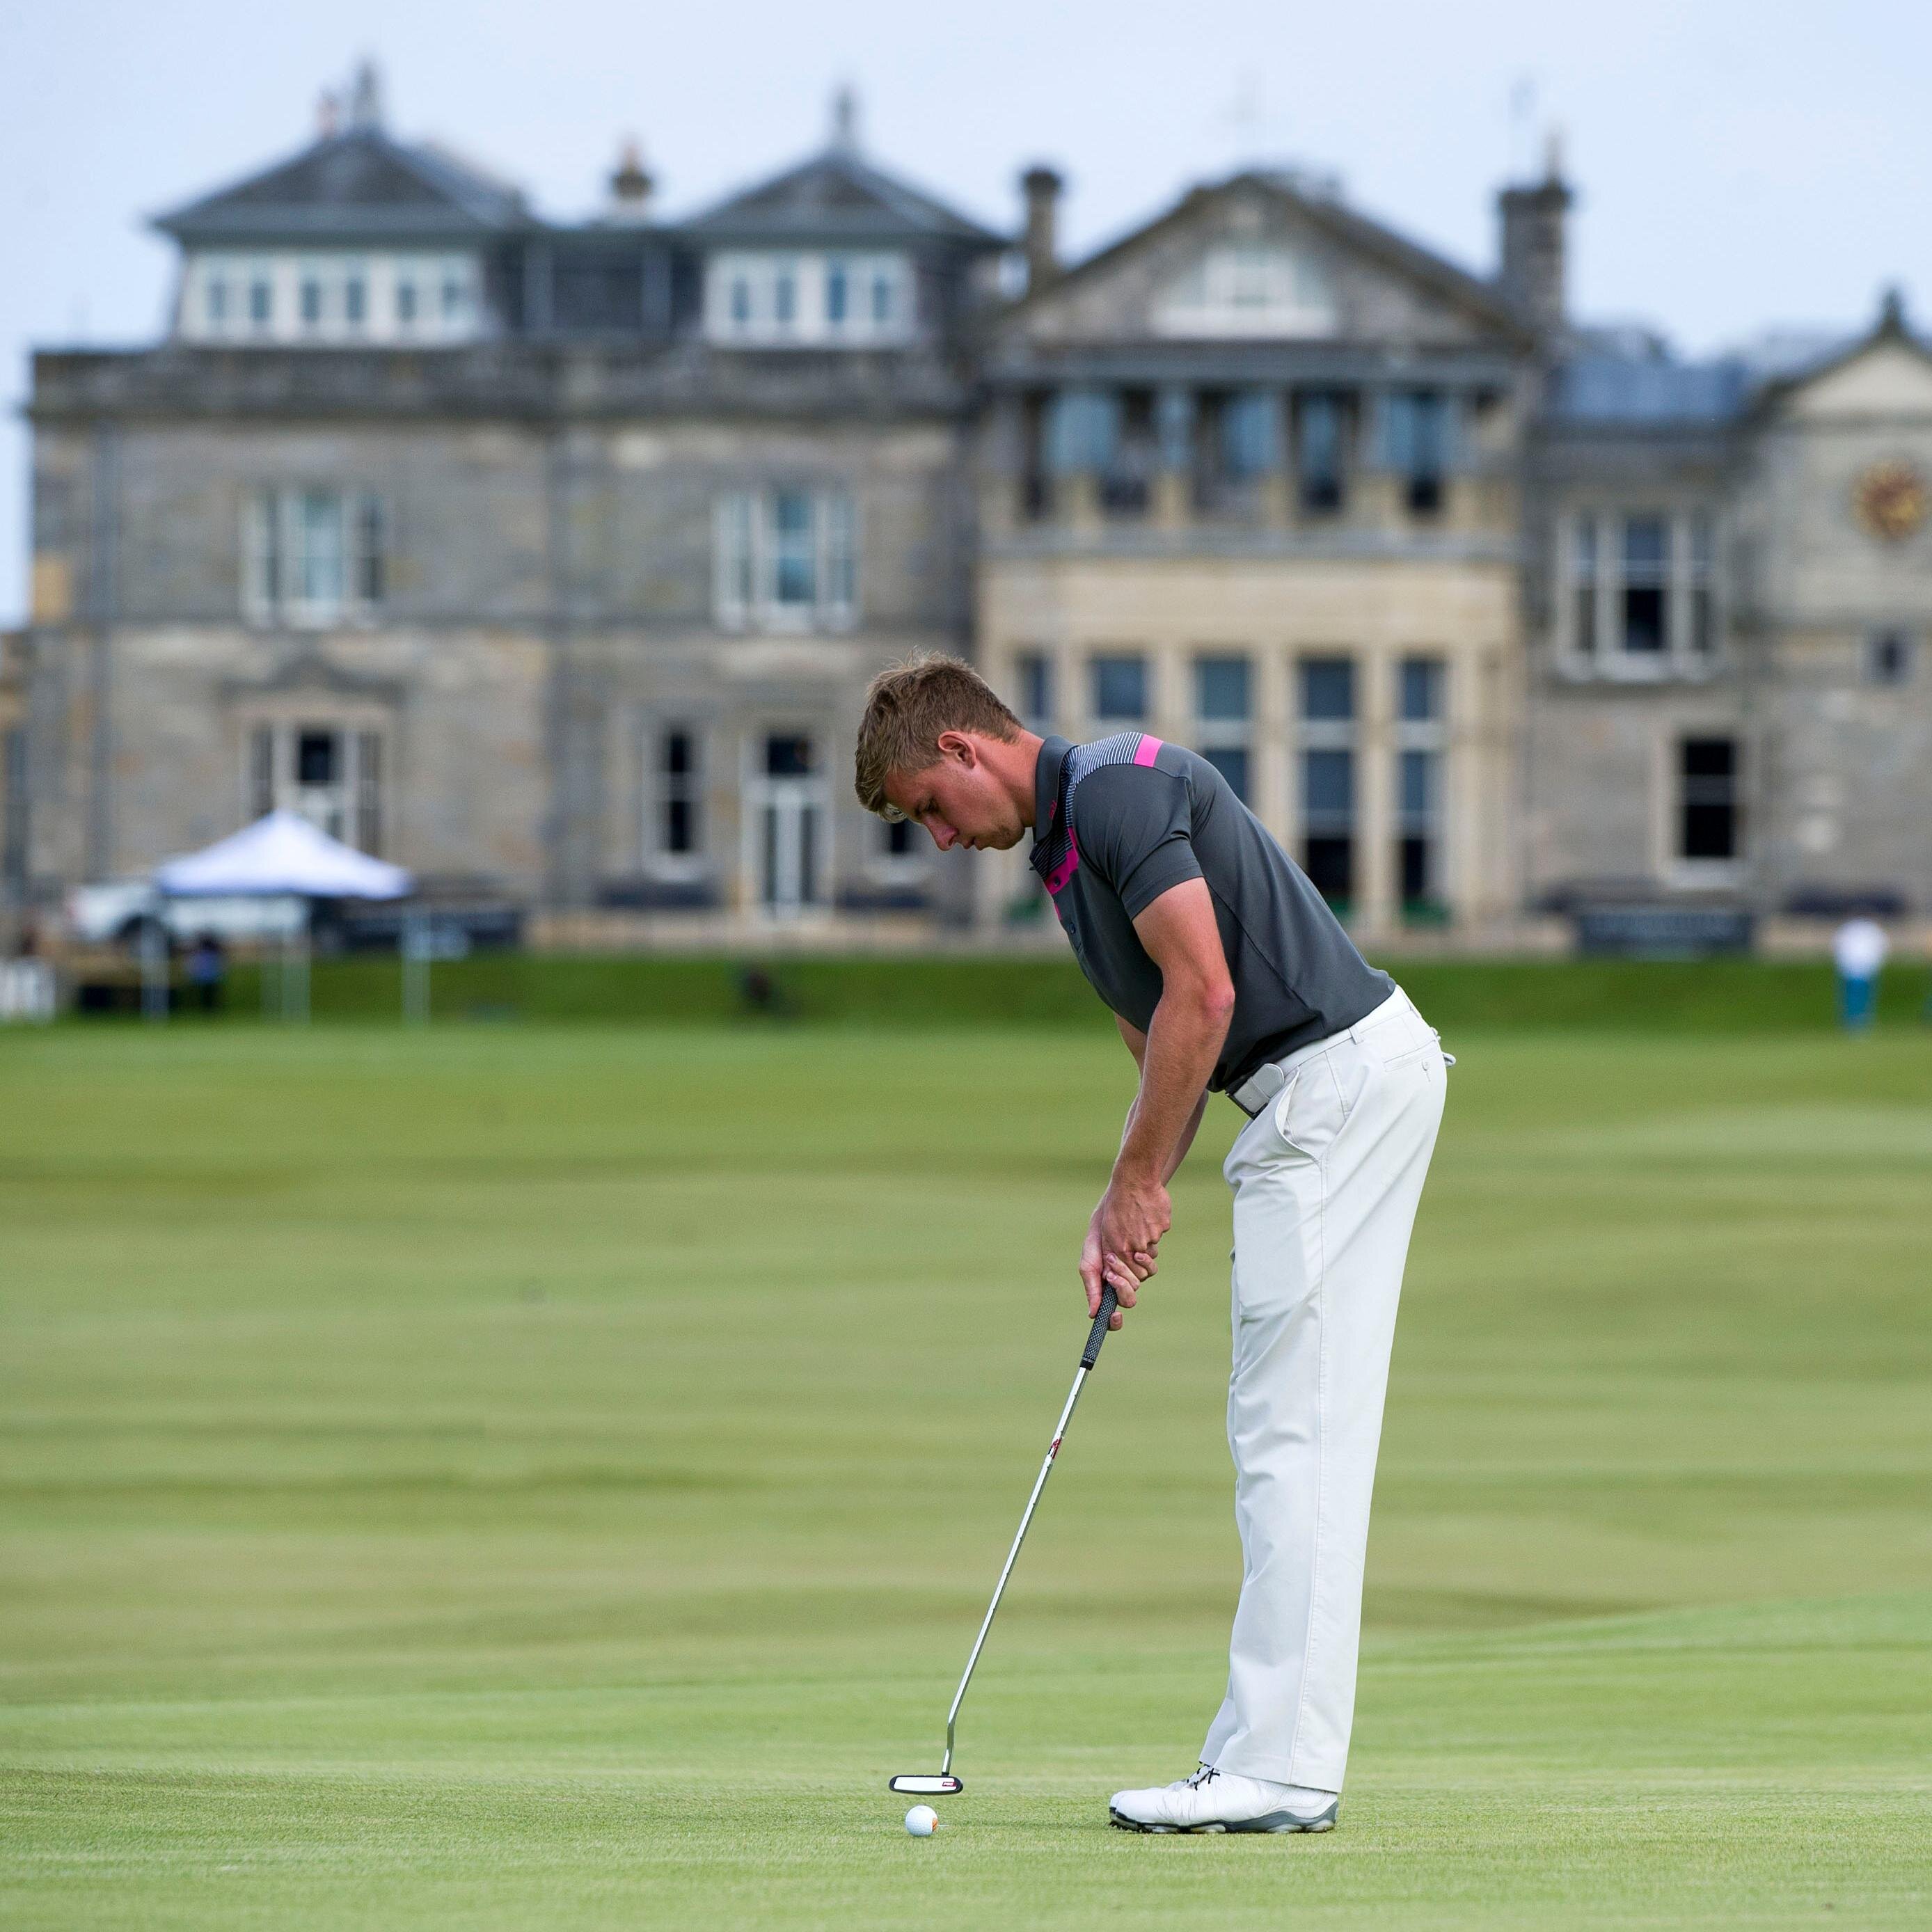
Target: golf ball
point(922, 1821)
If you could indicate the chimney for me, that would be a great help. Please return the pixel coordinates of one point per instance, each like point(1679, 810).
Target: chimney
point(845, 121)
point(365, 99)
point(630, 187)
point(1531, 276)
point(1042, 187)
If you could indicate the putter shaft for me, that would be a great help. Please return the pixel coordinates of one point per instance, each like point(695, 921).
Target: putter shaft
point(1108, 1300)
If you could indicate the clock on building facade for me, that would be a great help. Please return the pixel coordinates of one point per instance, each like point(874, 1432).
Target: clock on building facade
point(1891, 500)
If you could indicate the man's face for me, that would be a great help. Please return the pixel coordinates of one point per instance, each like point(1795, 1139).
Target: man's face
point(958, 800)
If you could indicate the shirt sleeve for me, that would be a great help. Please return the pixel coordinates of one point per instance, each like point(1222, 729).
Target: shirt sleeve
point(1134, 826)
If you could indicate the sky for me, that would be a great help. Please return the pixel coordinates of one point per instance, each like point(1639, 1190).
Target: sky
point(1740, 165)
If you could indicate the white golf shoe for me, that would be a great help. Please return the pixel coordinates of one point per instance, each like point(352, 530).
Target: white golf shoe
point(1220, 1800)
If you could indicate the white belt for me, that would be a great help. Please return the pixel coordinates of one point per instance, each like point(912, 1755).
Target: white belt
point(1265, 1082)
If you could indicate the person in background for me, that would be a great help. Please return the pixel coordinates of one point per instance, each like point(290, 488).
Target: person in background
point(207, 968)
point(1859, 948)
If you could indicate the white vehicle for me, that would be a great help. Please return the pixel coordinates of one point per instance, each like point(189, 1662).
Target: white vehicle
point(100, 915)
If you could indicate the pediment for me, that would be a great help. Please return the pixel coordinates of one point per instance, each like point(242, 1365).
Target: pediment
point(1889, 376)
point(1257, 260)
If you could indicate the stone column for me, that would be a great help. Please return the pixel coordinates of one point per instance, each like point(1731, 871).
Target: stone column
point(1277, 493)
point(1173, 481)
point(1377, 912)
point(1272, 771)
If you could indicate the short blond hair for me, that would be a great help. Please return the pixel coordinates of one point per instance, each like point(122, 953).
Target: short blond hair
point(906, 710)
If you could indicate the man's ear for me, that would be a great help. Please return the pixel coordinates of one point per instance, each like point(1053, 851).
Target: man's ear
point(958, 745)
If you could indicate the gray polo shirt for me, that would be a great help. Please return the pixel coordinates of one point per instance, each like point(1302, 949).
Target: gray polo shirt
point(1119, 822)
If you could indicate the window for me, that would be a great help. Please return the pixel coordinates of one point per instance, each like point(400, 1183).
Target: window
point(1120, 692)
point(1415, 427)
point(1420, 708)
point(1641, 595)
point(677, 805)
point(1328, 776)
point(1318, 453)
point(1889, 659)
point(1646, 565)
point(765, 299)
point(330, 772)
point(1032, 678)
point(787, 558)
point(315, 296)
point(795, 550)
point(1708, 802)
point(1252, 288)
point(312, 555)
point(1250, 435)
point(1224, 709)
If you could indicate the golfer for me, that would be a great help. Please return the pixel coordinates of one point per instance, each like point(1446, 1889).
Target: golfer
point(1227, 973)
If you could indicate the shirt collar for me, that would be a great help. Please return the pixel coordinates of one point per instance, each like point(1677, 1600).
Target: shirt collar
point(1046, 786)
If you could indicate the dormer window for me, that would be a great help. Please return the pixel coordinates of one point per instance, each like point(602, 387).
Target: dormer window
point(796, 301)
point(317, 296)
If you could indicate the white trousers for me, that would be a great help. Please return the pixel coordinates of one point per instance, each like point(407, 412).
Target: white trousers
point(1326, 1179)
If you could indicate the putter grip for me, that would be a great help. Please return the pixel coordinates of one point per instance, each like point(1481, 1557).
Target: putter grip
point(1109, 1301)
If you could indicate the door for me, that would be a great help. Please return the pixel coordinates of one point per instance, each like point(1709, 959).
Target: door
point(789, 810)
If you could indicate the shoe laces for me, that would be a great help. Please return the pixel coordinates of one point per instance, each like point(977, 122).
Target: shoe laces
point(1205, 1776)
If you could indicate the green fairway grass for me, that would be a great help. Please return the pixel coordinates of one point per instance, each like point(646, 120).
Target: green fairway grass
point(549, 1476)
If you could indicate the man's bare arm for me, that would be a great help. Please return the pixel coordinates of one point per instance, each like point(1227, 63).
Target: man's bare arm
point(1136, 1041)
point(1183, 1042)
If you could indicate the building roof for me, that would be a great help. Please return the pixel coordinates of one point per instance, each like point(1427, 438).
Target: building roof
point(836, 197)
point(361, 184)
point(1632, 390)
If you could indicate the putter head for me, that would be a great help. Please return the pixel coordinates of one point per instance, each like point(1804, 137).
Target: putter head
point(927, 1786)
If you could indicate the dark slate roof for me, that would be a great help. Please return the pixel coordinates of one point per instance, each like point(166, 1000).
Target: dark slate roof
point(835, 197)
point(1612, 389)
point(357, 185)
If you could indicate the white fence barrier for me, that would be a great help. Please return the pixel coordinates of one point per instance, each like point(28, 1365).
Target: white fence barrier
point(26, 990)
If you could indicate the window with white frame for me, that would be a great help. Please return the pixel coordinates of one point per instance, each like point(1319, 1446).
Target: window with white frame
point(1224, 716)
point(786, 559)
point(321, 297)
point(1640, 592)
point(312, 556)
point(1420, 713)
point(1710, 819)
point(770, 299)
point(330, 771)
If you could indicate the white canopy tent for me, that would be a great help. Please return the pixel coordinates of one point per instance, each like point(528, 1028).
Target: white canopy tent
point(283, 856)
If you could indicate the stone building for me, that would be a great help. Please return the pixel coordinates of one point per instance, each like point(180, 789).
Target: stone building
point(551, 559)
point(1250, 477)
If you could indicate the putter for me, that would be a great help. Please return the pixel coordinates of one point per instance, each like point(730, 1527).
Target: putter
point(926, 1785)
